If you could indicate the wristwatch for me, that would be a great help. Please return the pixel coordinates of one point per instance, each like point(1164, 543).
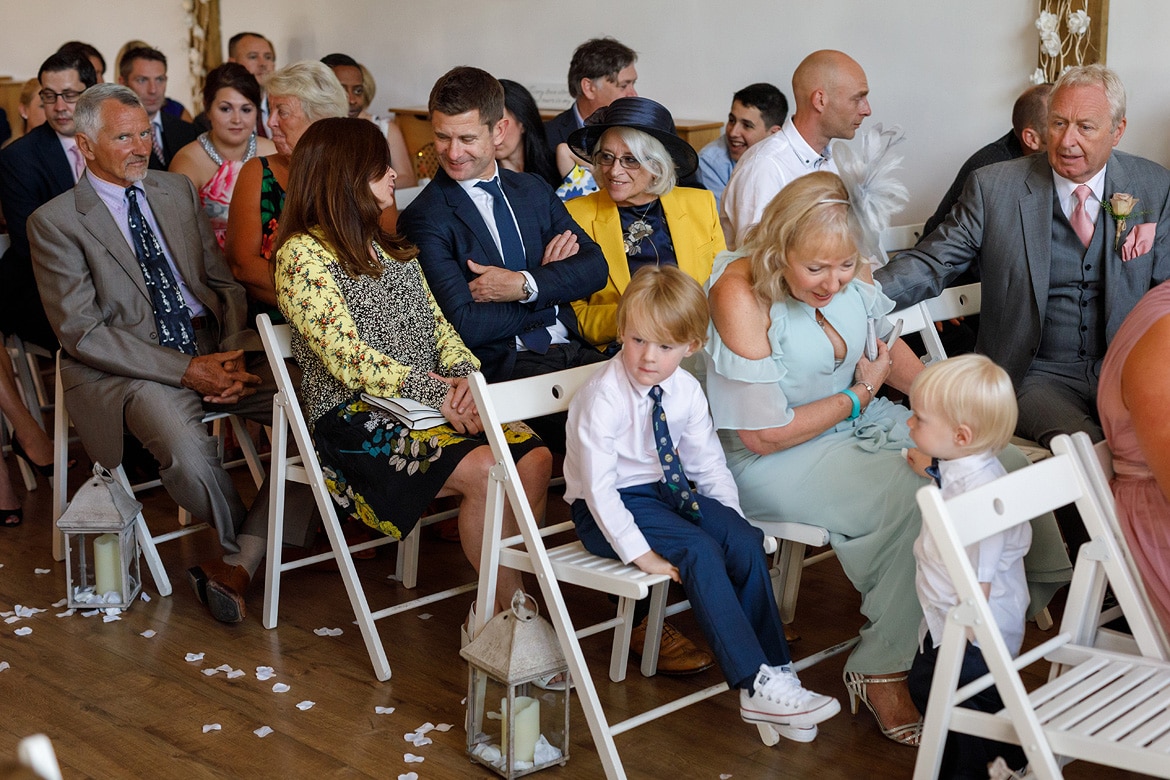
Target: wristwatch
point(527, 290)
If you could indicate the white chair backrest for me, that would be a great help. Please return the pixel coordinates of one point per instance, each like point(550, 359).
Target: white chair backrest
point(954, 302)
point(403, 196)
point(1111, 553)
point(538, 395)
point(914, 319)
point(898, 237)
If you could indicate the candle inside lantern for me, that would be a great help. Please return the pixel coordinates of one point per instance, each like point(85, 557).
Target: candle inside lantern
point(107, 564)
point(527, 722)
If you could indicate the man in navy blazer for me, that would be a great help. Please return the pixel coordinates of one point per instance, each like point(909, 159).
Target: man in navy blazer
point(601, 71)
point(144, 70)
point(1054, 294)
point(34, 169)
point(503, 267)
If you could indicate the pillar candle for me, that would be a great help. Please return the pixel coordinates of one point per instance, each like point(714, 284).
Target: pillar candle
point(527, 724)
point(107, 564)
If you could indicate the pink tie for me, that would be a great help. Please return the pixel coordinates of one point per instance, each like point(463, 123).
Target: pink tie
point(78, 162)
point(1080, 218)
point(156, 138)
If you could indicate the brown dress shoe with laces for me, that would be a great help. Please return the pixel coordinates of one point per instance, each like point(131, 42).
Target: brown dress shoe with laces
point(676, 653)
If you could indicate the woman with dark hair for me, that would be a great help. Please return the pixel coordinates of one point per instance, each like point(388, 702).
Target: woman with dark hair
point(212, 161)
point(523, 147)
point(364, 321)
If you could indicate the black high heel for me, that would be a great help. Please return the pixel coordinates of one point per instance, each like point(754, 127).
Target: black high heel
point(18, 450)
point(7, 514)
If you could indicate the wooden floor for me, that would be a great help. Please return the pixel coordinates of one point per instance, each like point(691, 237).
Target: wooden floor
point(120, 705)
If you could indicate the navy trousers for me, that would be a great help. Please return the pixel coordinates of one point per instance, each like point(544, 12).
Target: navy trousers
point(965, 756)
point(724, 573)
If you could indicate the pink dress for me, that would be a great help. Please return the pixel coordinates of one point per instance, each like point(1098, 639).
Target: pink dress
point(216, 195)
point(1142, 507)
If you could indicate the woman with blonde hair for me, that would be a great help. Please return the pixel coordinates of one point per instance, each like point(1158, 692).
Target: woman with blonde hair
point(795, 400)
point(298, 95)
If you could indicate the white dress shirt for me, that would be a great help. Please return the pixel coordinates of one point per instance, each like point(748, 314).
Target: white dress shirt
point(609, 445)
point(762, 171)
point(998, 560)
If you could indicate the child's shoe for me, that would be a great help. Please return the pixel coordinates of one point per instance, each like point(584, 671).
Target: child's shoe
point(780, 700)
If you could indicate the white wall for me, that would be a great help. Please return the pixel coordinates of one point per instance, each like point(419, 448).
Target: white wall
point(947, 72)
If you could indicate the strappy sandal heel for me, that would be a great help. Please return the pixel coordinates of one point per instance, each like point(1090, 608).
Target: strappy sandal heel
point(857, 684)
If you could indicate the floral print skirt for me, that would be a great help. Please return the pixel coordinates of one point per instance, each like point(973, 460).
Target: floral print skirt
point(384, 474)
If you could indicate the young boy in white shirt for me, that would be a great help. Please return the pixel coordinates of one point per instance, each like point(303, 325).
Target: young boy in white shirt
point(638, 433)
point(964, 415)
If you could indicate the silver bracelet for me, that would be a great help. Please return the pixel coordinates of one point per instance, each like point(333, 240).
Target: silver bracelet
point(867, 386)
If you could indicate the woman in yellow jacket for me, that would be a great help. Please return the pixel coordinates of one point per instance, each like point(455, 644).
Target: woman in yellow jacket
point(639, 217)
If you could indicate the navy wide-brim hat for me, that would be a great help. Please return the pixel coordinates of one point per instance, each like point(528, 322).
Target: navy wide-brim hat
point(638, 113)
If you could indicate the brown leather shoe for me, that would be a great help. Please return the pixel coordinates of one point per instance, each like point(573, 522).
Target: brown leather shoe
point(200, 575)
point(225, 594)
point(676, 653)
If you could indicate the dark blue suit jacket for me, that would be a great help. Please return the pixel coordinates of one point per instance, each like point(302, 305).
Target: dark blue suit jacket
point(448, 230)
point(175, 134)
point(34, 169)
point(557, 129)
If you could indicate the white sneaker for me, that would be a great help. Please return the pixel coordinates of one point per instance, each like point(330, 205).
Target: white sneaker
point(780, 700)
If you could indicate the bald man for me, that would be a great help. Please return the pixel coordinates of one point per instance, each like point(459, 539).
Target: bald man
point(832, 99)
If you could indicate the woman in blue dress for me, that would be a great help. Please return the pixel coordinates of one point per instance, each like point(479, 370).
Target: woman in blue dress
point(794, 399)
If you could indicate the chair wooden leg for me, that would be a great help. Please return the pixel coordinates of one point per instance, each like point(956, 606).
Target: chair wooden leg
point(162, 582)
point(276, 489)
point(790, 563)
point(654, 623)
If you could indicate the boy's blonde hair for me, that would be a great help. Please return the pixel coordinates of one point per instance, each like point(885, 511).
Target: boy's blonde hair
point(970, 390)
point(664, 305)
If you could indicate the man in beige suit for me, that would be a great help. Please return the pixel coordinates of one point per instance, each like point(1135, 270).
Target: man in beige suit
point(153, 326)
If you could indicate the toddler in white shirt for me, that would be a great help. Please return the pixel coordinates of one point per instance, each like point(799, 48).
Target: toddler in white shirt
point(639, 433)
point(964, 415)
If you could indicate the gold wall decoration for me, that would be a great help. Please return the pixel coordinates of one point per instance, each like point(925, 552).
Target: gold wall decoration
point(205, 45)
point(1071, 32)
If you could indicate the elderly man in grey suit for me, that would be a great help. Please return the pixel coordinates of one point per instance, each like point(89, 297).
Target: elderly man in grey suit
point(1063, 258)
point(153, 328)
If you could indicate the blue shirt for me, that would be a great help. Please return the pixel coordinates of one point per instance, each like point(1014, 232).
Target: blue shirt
point(715, 167)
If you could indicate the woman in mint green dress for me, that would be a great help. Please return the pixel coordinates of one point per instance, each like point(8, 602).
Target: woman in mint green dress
point(793, 397)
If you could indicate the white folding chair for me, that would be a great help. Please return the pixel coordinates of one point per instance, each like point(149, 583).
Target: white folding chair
point(36, 752)
point(898, 237)
point(300, 465)
point(1107, 558)
point(1105, 707)
point(147, 540)
point(505, 402)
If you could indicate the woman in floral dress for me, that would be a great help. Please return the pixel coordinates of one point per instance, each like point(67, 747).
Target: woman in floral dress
point(364, 321)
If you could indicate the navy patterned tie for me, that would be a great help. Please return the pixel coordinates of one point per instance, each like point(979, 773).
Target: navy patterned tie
point(171, 316)
point(510, 244)
point(676, 478)
point(535, 336)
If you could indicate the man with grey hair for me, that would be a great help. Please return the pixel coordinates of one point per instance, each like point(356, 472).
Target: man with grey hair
point(1063, 253)
point(153, 328)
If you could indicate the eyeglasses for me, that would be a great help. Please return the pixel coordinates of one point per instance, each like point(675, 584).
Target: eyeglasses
point(627, 161)
point(49, 97)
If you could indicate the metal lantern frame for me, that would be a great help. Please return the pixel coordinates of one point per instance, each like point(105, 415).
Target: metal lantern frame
point(100, 522)
point(514, 650)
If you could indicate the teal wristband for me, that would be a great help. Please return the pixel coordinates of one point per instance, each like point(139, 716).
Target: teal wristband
point(852, 396)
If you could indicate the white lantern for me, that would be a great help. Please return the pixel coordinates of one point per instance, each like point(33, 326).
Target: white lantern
point(514, 726)
point(101, 558)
